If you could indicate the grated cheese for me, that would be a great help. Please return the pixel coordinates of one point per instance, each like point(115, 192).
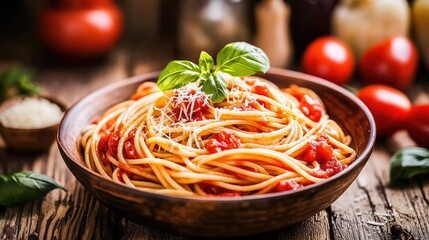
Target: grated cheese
point(31, 113)
point(374, 223)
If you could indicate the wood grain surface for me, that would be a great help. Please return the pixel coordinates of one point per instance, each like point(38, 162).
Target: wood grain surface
point(401, 211)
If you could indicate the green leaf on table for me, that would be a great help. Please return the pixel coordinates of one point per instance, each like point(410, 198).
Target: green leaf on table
point(408, 163)
point(242, 59)
point(22, 187)
point(17, 81)
point(177, 74)
point(214, 86)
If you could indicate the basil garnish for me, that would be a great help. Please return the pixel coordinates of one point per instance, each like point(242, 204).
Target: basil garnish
point(237, 59)
point(241, 59)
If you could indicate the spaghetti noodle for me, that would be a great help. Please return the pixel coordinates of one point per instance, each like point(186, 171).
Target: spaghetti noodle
point(260, 139)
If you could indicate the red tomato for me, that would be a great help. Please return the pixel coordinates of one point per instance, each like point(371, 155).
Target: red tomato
point(391, 62)
point(329, 58)
point(418, 124)
point(389, 106)
point(81, 29)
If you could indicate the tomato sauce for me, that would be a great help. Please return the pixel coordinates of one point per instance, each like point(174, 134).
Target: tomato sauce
point(129, 148)
point(286, 185)
point(321, 151)
point(112, 144)
point(249, 81)
point(191, 108)
point(223, 141)
point(103, 146)
point(309, 106)
point(216, 191)
point(108, 145)
point(124, 168)
point(261, 89)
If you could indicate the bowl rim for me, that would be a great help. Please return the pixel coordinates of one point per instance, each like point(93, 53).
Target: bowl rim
point(361, 159)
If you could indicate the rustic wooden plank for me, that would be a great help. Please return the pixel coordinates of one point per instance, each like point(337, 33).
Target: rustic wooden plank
point(77, 215)
point(354, 208)
point(409, 200)
point(60, 215)
point(316, 227)
point(371, 199)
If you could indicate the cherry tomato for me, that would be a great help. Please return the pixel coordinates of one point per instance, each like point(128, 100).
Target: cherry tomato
point(418, 124)
point(389, 106)
point(329, 58)
point(80, 29)
point(391, 62)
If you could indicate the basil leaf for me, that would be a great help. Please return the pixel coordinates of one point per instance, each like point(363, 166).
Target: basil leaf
point(22, 187)
point(214, 86)
point(178, 73)
point(408, 163)
point(17, 81)
point(206, 62)
point(242, 59)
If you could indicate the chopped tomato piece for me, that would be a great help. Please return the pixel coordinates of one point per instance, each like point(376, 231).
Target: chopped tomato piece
point(249, 81)
point(130, 150)
point(190, 105)
point(103, 146)
point(286, 185)
point(261, 89)
point(321, 151)
point(309, 106)
point(113, 144)
point(223, 141)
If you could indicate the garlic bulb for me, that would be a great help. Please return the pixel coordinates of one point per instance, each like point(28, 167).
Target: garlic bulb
point(362, 23)
point(421, 27)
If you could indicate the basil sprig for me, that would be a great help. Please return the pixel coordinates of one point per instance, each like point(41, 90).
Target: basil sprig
point(22, 187)
point(408, 163)
point(237, 59)
point(17, 81)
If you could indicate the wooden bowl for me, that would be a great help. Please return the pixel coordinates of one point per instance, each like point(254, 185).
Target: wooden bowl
point(219, 217)
point(35, 139)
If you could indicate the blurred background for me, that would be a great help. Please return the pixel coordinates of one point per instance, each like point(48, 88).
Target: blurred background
point(87, 33)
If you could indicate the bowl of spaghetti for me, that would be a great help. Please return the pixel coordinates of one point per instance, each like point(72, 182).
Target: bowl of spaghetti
point(279, 148)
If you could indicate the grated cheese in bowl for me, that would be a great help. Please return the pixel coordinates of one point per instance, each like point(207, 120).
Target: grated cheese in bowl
point(31, 113)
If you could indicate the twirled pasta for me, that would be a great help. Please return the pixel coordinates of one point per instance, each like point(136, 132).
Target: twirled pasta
point(260, 139)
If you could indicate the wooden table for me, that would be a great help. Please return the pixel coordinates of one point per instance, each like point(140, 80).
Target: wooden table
point(403, 211)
